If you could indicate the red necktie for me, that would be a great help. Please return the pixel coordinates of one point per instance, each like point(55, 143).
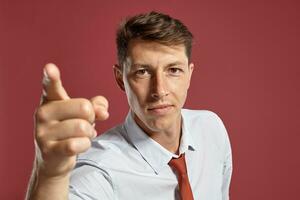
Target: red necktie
point(179, 165)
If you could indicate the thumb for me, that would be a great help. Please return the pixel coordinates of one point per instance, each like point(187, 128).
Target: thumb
point(52, 85)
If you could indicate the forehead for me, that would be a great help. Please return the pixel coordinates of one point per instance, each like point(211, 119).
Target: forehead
point(154, 53)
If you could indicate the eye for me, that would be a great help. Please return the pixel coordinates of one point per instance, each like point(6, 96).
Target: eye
point(175, 70)
point(142, 72)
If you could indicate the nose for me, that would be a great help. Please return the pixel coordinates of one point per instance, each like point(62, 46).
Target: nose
point(159, 87)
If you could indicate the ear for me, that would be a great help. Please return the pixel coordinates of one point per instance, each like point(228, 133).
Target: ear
point(191, 69)
point(119, 76)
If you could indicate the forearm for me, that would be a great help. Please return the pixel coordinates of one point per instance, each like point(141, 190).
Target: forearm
point(42, 187)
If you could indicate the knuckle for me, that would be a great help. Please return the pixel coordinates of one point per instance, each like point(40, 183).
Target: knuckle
point(39, 133)
point(41, 114)
point(87, 145)
point(45, 148)
point(81, 126)
point(70, 148)
point(105, 102)
point(85, 107)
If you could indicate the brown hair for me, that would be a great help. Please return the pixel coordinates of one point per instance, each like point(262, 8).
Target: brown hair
point(152, 26)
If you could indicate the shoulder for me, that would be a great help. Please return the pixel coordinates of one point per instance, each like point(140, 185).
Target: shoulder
point(92, 173)
point(201, 116)
point(105, 148)
point(205, 125)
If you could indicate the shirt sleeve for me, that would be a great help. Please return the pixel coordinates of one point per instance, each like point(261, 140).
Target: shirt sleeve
point(90, 183)
point(227, 172)
point(227, 167)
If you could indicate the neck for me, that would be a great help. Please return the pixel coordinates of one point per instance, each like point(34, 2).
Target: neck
point(168, 138)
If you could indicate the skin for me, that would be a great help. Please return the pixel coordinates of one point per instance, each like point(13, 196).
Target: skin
point(63, 129)
point(155, 78)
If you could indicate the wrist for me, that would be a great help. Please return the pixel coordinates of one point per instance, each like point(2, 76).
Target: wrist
point(49, 187)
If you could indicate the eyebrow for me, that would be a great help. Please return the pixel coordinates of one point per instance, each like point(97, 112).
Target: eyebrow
point(136, 65)
point(175, 63)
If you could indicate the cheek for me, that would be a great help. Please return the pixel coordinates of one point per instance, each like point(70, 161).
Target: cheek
point(181, 97)
point(136, 93)
point(179, 93)
point(179, 89)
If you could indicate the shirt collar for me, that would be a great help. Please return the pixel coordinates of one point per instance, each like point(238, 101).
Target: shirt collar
point(153, 153)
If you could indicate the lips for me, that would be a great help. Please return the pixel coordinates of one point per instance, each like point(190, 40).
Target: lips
point(159, 106)
point(160, 109)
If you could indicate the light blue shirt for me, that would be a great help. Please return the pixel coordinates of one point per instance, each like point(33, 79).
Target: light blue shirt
point(126, 164)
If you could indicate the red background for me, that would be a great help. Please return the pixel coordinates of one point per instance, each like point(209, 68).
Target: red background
point(246, 57)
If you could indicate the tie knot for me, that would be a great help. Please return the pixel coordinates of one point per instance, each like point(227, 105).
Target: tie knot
point(179, 164)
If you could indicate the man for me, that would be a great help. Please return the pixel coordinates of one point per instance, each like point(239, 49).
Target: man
point(160, 152)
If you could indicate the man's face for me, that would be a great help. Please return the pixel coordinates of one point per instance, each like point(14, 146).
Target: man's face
point(156, 79)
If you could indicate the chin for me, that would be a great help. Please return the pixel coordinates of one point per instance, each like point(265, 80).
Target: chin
point(159, 124)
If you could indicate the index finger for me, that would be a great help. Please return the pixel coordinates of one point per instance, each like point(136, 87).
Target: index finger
point(52, 85)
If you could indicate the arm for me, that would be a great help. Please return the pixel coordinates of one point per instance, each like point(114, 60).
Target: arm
point(227, 170)
point(227, 159)
point(63, 129)
point(90, 181)
point(41, 187)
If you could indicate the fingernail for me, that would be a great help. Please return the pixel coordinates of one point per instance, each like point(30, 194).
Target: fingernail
point(95, 133)
point(46, 78)
point(102, 111)
point(45, 73)
point(106, 113)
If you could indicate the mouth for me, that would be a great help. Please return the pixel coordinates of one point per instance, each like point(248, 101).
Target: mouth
point(161, 109)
